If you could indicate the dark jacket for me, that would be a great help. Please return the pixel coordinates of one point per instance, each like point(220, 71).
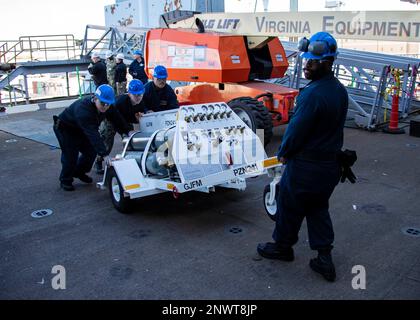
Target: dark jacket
point(137, 71)
point(98, 72)
point(317, 124)
point(83, 118)
point(127, 110)
point(121, 73)
point(159, 99)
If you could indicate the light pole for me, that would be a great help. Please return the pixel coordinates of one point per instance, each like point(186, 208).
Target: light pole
point(266, 2)
point(334, 4)
point(294, 7)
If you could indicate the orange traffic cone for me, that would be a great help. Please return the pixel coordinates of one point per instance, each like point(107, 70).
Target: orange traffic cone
point(393, 123)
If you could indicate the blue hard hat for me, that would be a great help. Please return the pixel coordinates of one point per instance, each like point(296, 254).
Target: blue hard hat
point(160, 72)
point(137, 52)
point(319, 46)
point(136, 87)
point(105, 94)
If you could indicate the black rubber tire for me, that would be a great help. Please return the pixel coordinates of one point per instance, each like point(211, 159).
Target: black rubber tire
point(267, 191)
point(124, 205)
point(257, 112)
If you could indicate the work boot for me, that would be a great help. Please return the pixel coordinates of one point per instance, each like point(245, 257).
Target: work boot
point(67, 186)
point(274, 251)
point(98, 166)
point(84, 178)
point(324, 265)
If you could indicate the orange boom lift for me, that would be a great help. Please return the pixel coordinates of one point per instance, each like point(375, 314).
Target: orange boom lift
point(224, 68)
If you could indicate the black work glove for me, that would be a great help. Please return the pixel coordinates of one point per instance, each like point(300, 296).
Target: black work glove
point(347, 159)
point(347, 173)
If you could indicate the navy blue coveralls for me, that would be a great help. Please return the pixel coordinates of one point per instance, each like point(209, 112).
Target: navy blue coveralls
point(120, 73)
point(98, 72)
point(136, 70)
point(157, 99)
point(312, 140)
point(128, 111)
point(77, 132)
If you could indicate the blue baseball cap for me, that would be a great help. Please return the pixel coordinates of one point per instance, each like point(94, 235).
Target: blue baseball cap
point(105, 94)
point(160, 72)
point(319, 46)
point(136, 87)
point(137, 52)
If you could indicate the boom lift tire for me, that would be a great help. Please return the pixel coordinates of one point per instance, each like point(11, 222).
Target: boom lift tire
point(121, 203)
point(255, 115)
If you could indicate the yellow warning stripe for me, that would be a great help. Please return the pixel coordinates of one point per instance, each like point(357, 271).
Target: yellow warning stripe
point(271, 162)
point(132, 187)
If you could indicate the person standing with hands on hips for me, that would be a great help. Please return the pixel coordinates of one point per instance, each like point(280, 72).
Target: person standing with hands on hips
point(311, 150)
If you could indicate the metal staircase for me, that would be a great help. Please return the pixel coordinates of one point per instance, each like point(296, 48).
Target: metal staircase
point(116, 39)
point(37, 55)
point(62, 54)
point(367, 77)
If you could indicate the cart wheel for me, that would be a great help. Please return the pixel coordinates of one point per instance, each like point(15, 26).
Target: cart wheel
point(121, 203)
point(270, 209)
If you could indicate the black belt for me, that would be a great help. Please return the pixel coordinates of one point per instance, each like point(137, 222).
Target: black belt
point(316, 156)
point(57, 122)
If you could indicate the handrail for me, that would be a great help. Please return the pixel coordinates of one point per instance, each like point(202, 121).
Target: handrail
point(39, 47)
point(8, 50)
point(116, 39)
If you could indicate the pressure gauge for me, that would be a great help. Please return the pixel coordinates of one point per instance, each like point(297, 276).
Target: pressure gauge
point(216, 111)
point(210, 112)
point(223, 110)
point(193, 137)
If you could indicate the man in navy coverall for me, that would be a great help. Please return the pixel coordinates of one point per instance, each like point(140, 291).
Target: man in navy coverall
point(310, 150)
point(158, 95)
point(76, 129)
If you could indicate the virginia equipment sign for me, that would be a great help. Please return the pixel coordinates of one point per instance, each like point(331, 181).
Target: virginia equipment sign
point(363, 25)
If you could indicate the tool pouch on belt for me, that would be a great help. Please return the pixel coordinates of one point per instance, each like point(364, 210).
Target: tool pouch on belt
point(347, 159)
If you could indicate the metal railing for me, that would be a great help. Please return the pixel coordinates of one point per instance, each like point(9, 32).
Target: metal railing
point(39, 48)
point(15, 94)
point(116, 39)
point(367, 77)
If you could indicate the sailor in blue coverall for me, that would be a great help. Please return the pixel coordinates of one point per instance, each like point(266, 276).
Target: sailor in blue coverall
point(309, 149)
point(76, 129)
point(158, 95)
